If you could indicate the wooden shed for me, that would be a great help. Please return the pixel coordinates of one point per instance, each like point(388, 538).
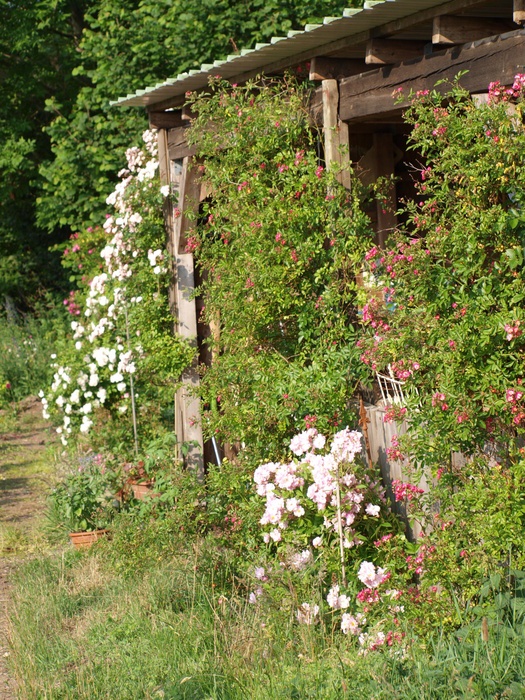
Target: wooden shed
point(360, 60)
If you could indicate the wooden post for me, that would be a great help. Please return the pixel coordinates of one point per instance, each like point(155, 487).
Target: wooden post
point(187, 404)
point(336, 144)
point(519, 11)
point(363, 422)
point(384, 167)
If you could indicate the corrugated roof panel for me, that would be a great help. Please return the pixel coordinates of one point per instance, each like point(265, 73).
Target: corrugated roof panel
point(352, 22)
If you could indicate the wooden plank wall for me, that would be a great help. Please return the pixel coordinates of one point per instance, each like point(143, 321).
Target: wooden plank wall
point(380, 436)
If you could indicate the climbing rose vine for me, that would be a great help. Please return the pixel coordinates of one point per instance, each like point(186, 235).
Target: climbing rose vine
point(122, 326)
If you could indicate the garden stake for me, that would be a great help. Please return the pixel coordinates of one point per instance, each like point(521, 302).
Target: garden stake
point(340, 528)
point(132, 389)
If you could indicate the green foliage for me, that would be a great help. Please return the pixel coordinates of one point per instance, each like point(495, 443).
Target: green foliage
point(38, 51)
point(86, 498)
point(278, 248)
point(479, 530)
point(126, 45)
point(61, 144)
point(456, 276)
point(198, 638)
point(27, 342)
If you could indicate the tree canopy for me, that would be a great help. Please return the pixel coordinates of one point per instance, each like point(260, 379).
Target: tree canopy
point(62, 62)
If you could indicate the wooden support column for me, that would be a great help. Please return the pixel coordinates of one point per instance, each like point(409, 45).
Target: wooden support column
point(380, 161)
point(384, 167)
point(336, 146)
point(187, 404)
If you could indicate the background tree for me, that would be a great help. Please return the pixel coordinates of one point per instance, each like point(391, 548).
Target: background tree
point(38, 53)
point(61, 64)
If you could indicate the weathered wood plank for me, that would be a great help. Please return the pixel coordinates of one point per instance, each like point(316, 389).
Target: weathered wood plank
point(178, 145)
point(387, 51)
point(335, 132)
point(187, 403)
point(451, 29)
point(374, 93)
point(165, 120)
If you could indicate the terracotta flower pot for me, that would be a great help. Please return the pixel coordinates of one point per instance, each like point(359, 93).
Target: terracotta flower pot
point(141, 490)
point(81, 540)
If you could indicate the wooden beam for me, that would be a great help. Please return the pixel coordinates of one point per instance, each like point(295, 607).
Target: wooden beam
point(328, 68)
point(451, 29)
point(373, 94)
point(519, 11)
point(387, 51)
point(178, 145)
point(165, 120)
point(336, 148)
point(187, 113)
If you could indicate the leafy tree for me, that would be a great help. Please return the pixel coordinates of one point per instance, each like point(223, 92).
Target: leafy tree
point(61, 64)
point(125, 46)
point(38, 52)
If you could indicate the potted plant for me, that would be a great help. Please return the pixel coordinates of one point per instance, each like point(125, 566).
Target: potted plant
point(84, 503)
point(139, 481)
point(142, 476)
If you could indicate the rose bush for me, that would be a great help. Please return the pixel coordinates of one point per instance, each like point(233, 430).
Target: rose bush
point(278, 246)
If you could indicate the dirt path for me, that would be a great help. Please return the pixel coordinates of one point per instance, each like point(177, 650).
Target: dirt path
point(24, 479)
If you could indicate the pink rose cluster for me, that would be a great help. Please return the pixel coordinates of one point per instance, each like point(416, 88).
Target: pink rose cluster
point(283, 485)
point(513, 397)
point(500, 93)
point(513, 330)
point(405, 491)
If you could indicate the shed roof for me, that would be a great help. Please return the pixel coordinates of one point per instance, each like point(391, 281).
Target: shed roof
point(297, 46)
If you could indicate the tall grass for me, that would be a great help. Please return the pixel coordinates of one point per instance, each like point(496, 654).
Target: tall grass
point(27, 341)
point(181, 628)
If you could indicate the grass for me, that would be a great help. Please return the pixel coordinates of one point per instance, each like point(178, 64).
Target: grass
point(176, 629)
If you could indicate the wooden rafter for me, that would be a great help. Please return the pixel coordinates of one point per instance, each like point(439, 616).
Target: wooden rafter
point(165, 120)
point(329, 68)
point(387, 51)
point(177, 143)
point(451, 29)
